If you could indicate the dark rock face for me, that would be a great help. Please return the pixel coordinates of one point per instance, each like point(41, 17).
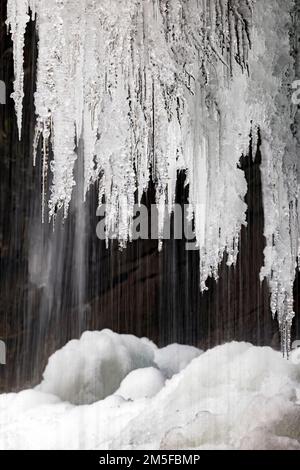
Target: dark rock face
point(138, 290)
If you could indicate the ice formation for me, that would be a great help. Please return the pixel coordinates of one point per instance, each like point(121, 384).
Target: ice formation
point(98, 363)
point(175, 357)
point(141, 383)
point(103, 362)
point(154, 86)
point(234, 396)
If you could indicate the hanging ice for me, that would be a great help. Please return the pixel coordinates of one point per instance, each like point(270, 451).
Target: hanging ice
point(18, 17)
point(151, 87)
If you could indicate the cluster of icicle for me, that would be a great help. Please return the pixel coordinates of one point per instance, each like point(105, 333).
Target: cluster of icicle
point(150, 87)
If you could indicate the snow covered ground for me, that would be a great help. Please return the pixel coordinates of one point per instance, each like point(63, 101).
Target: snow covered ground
point(109, 391)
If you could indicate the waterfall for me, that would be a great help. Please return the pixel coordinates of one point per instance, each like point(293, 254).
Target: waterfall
point(130, 91)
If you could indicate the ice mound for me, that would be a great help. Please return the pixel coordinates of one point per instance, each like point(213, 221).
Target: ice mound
point(226, 397)
point(141, 383)
point(234, 396)
point(175, 357)
point(92, 368)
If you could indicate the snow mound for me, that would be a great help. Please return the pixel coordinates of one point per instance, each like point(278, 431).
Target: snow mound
point(175, 357)
point(234, 396)
point(225, 396)
point(92, 368)
point(141, 383)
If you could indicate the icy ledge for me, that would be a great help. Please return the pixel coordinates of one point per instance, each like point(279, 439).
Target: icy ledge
point(152, 87)
point(235, 396)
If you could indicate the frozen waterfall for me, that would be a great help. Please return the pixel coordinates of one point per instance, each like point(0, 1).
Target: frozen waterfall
point(147, 88)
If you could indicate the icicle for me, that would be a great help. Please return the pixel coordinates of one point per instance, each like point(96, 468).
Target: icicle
point(279, 155)
point(17, 19)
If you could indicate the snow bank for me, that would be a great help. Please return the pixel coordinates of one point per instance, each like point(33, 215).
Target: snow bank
point(235, 396)
point(92, 368)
